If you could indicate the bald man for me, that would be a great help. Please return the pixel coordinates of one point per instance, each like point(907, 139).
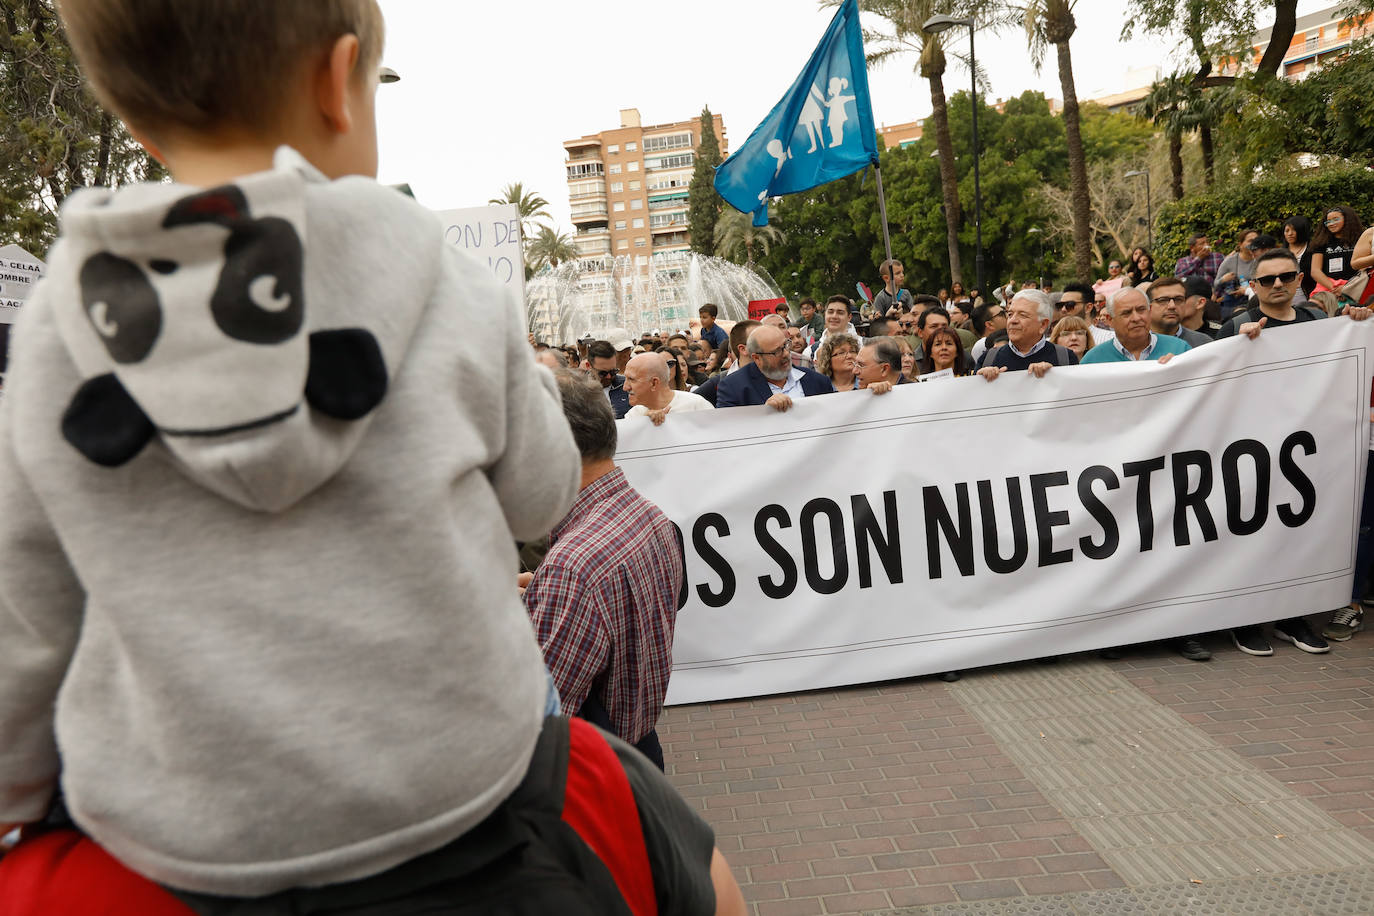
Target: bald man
point(771, 378)
point(651, 395)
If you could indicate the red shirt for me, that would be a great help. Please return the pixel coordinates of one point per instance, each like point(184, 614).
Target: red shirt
point(604, 602)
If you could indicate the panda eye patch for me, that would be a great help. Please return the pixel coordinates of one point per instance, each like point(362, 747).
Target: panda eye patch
point(260, 298)
point(121, 305)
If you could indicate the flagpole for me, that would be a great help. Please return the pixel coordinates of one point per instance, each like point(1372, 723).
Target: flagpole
point(887, 241)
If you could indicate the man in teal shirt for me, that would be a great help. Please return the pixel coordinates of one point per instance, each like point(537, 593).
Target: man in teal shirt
point(1134, 341)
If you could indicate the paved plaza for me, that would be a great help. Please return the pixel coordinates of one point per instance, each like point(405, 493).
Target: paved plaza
point(1145, 785)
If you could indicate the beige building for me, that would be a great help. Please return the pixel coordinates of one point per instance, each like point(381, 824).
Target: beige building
point(1317, 39)
point(628, 186)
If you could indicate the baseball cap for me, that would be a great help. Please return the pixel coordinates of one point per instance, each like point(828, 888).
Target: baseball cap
point(618, 338)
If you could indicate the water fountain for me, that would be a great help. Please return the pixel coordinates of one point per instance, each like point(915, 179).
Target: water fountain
point(594, 294)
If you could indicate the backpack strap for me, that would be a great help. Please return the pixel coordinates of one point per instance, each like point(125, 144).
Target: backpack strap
point(599, 804)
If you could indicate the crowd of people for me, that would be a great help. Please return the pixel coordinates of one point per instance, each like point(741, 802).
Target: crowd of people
point(902, 338)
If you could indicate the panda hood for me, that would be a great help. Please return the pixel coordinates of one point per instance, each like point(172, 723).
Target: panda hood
point(227, 327)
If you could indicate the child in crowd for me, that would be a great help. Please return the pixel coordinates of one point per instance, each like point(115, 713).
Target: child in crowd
point(265, 443)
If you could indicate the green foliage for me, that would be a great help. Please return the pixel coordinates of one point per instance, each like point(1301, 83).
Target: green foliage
point(738, 239)
point(1109, 135)
point(833, 234)
point(1263, 205)
point(54, 136)
point(548, 248)
point(703, 202)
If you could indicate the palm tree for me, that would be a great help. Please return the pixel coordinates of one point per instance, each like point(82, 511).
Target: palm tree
point(549, 248)
point(736, 234)
point(1051, 22)
point(904, 36)
point(1165, 106)
point(529, 203)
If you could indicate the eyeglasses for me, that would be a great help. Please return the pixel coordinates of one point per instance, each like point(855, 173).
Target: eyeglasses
point(1167, 300)
point(607, 373)
point(1288, 276)
point(778, 352)
point(672, 363)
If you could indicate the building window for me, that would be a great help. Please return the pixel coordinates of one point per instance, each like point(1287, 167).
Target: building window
point(641, 243)
point(634, 185)
point(632, 167)
point(637, 204)
point(613, 148)
point(678, 161)
point(641, 259)
point(618, 206)
point(617, 187)
point(670, 141)
point(620, 225)
point(622, 245)
point(637, 222)
point(631, 147)
point(614, 170)
point(584, 170)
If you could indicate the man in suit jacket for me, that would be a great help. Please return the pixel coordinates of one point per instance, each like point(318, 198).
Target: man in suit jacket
point(771, 379)
point(739, 337)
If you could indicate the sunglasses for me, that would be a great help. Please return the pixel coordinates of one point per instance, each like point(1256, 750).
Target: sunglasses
point(1288, 276)
point(607, 373)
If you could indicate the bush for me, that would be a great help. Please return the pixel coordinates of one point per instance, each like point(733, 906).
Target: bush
point(1263, 205)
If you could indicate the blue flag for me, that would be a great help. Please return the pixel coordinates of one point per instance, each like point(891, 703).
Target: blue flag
point(820, 131)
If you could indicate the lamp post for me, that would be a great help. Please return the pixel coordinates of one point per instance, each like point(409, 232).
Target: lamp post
point(933, 26)
point(1149, 212)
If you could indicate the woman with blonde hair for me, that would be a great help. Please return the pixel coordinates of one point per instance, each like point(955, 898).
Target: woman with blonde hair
point(909, 370)
point(835, 360)
point(1074, 334)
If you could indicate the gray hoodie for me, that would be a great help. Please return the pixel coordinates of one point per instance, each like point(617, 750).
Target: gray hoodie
point(263, 453)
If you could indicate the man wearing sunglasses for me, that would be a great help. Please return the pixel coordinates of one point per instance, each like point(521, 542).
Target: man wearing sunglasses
point(606, 367)
point(1275, 282)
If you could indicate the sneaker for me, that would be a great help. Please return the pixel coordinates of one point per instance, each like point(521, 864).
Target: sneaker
point(1192, 649)
point(1300, 634)
point(1344, 624)
point(1251, 641)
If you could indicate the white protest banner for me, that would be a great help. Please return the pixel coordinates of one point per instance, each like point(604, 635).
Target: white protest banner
point(19, 271)
point(942, 527)
point(492, 236)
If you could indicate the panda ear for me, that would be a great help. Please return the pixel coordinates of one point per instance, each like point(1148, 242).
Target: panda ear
point(347, 377)
point(105, 424)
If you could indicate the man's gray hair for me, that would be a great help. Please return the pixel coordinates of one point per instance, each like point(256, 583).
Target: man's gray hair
point(589, 414)
point(886, 350)
point(1110, 307)
point(1044, 306)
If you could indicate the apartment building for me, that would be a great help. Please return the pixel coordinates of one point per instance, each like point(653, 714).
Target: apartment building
point(1318, 38)
point(628, 186)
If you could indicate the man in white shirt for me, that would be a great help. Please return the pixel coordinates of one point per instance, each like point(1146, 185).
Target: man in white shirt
point(651, 395)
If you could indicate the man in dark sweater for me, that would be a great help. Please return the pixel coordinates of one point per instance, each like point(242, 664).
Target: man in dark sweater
point(1028, 317)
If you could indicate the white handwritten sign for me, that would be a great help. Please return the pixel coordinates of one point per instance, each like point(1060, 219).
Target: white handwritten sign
point(492, 236)
point(19, 271)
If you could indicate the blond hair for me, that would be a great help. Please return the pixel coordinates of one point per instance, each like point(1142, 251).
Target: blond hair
point(209, 64)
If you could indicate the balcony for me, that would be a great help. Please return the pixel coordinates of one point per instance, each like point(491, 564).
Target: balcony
point(678, 222)
point(585, 214)
point(592, 246)
point(588, 169)
point(589, 195)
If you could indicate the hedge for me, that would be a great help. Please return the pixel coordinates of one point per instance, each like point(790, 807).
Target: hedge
point(1262, 205)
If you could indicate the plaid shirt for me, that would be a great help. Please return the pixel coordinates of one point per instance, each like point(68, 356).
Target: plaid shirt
point(604, 602)
point(1189, 266)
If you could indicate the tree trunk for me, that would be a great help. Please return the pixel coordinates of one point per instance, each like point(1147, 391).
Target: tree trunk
point(949, 181)
point(1078, 169)
point(1285, 24)
point(1176, 165)
point(1208, 155)
point(102, 161)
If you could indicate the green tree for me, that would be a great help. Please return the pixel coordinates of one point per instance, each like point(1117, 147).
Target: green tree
point(530, 205)
point(54, 136)
point(548, 248)
point(703, 203)
point(1051, 22)
point(736, 236)
point(1111, 134)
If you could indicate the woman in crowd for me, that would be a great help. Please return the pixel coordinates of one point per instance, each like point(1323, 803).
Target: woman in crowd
point(1142, 268)
point(909, 370)
point(1333, 247)
point(835, 360)
point(677, 368)
point(956, 292)
point(1074, 334)
point(1297, 235)
point(1232, 285)
point(944, 350)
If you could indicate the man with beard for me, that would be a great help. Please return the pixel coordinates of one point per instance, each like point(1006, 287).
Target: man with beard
point(771, 378)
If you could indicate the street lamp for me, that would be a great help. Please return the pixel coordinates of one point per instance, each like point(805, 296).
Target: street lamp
point(933, 26)
point(388, 75)
point(1149, 211)
point(1039, 253)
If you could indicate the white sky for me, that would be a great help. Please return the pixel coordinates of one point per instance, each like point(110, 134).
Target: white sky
point(489, 91)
